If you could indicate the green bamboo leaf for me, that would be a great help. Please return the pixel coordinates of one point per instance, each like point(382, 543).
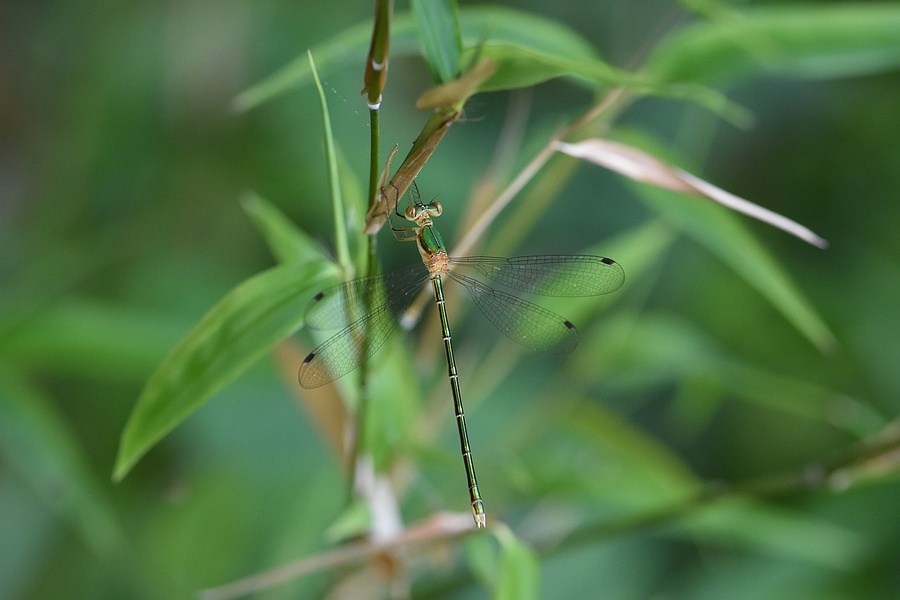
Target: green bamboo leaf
point(485, 24)
point(521, 66)
point(724, 235)
point(437, 23)
point(91, 338)
point(337, 197)
point(482, 557)
point(36, 444)
point(779, 533)
point(287, 242)
point(355, 201)
point(546, 39)
point(504, 563)
point(35, 284)
point(342, 49)
point(709, 9)
point(815, 41)
point(393, 417)
point(531, 49)
point(636, 469)
point(519, 574)
point(637, 352)
point(236, 332)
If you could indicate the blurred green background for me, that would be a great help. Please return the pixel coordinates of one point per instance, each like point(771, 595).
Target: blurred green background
point(122, 168)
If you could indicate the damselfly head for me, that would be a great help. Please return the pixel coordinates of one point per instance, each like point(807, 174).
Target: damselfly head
point(416, 212)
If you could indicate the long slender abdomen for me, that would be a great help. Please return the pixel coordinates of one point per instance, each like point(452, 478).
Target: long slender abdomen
point(458, 410)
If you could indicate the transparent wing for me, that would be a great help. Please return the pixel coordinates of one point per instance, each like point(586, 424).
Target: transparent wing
point(338, 306)
point(551, 275)
point(523, 322)
point(358, 341)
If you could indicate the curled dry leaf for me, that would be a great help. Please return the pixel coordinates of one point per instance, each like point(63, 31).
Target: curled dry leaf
point(455, 93)
point(422, 149)
point(446, 100)
point(640, 166)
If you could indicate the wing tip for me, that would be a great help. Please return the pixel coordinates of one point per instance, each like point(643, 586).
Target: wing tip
point(305, 383)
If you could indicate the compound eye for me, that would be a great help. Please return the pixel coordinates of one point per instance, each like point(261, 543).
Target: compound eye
point(435, 209)
point(410, 212)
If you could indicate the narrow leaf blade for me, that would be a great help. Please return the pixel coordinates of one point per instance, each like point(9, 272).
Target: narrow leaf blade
point(726, 237)
point(437, 23)
point(716, 229)
point(287, 242)
point(817, 42)
point(339, 50)
point(519, 570)
point(337, 196)
point(35, 442)
point(236, 332)
point(779, 533)
point(520, 66)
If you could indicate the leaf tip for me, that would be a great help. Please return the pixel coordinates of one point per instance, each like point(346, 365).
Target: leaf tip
point(121, 469)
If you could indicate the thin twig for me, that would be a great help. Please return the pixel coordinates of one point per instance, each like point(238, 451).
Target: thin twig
point(872, 458)
point(441, 527)
point(478, 228)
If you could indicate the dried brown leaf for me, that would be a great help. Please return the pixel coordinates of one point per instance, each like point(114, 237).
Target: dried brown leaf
point(640, 166)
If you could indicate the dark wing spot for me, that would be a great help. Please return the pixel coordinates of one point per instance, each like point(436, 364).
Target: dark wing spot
point(607, 261)
point(309, 358)
point(569, 324)
point(319, 296)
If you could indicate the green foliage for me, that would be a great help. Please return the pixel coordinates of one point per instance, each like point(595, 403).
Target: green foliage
point(725, 428)
point(437, 25)
point(233, 335)
point(506, 565)
point(38, 447)
point(723, 234)
point(821, 42)
point(530, 50)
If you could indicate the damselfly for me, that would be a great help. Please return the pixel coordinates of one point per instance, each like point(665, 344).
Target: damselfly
point(374, 305)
